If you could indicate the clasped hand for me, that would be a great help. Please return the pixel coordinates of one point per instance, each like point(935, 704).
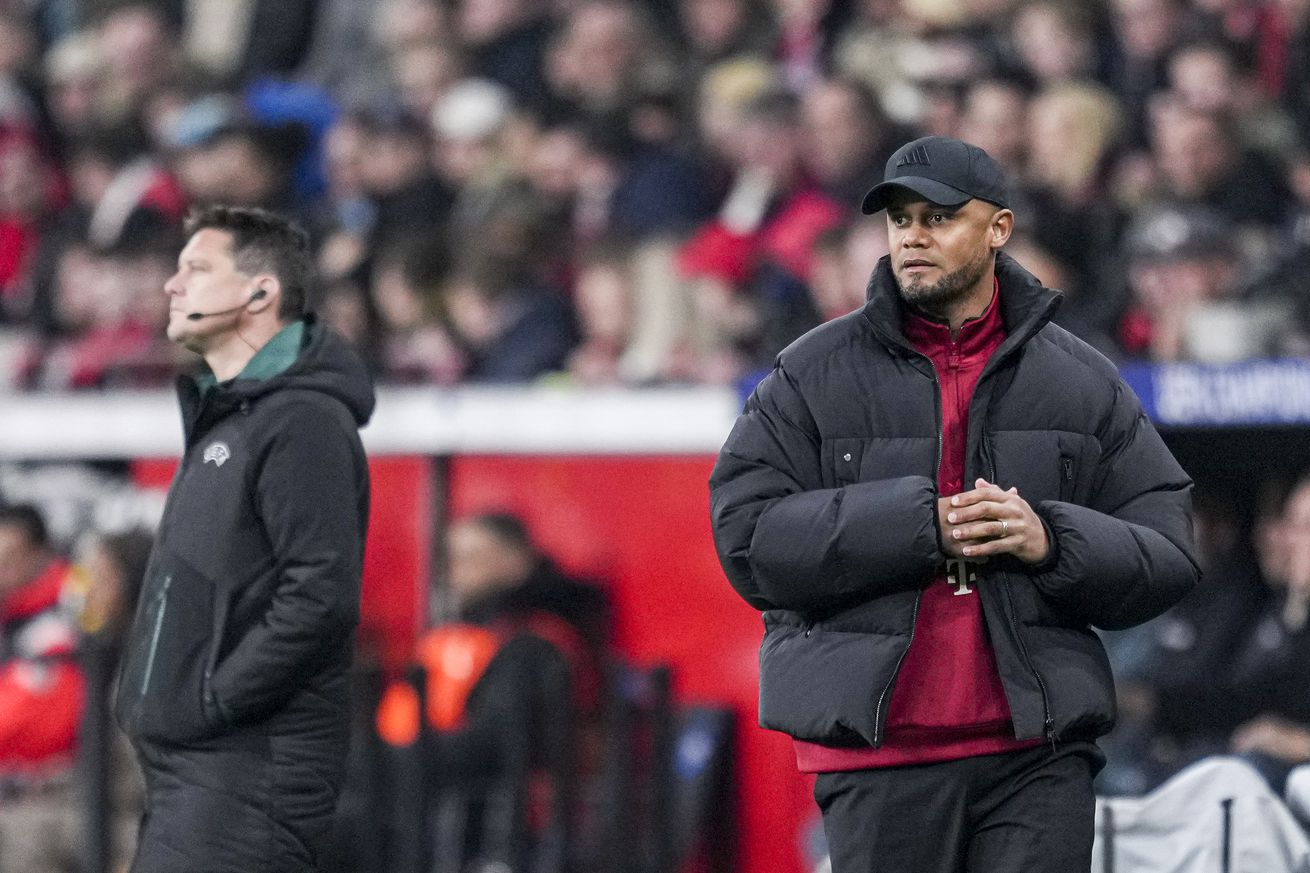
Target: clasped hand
point(990, 521)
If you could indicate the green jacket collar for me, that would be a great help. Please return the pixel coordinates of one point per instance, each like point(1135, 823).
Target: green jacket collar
point(275, 357)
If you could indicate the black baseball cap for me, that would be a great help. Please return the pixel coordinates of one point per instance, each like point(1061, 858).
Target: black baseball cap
point(943, 170)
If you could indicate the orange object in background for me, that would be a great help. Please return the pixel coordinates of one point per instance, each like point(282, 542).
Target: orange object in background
point(397, 719)
point(455, 657)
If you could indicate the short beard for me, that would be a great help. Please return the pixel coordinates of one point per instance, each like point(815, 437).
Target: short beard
point(937, 299)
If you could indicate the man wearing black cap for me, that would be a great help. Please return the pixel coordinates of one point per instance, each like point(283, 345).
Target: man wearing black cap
point(933, 500)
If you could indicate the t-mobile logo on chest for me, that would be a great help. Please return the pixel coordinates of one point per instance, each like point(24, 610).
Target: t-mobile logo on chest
point(960, 573)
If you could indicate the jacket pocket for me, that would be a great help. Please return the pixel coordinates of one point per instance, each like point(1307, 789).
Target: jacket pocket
point(1077, 673)
point(822, 685)
point(1068, 477)
point(164, 684)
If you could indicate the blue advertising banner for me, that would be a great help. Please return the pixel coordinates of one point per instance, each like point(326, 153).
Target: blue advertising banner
point(1250, 393)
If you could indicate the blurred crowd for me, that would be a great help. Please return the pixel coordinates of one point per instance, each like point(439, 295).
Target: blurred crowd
point(621, 192)
point(1227, 671)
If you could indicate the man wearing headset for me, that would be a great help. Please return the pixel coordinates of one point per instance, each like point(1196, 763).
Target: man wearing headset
point(234, 684)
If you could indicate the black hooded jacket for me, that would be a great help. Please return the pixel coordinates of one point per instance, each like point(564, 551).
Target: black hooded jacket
point(234, 683)
point(823, 504)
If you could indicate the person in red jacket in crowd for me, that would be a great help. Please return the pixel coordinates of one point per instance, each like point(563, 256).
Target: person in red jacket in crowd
point(38, 673)
point(41, 693)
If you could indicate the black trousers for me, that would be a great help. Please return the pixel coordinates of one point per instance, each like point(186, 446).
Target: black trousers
point(1021, 812)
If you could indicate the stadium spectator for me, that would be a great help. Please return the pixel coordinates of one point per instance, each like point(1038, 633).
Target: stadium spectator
point(1225, 671)
point(1204, 76)
point(511, 678)
point(1207, 75)
point(415, 347)
point(510, 326)
point(774, 211)
point(1184, 270)
point(1073, 131)
point(716, 30)
point(604, 298)
point(73, 76)
point(141, 51)
point(1259, 34)
point(847, 138)
point(1267, 676)
point(725, 91)
point(32, 191)
point(42, 691)
point(749, 266)
point(343, 305)
point(1201, 162)
point(397, 23)
point(991, 106)
point(112, 567)
point(109, 319)
point(1145, 32)
point(604, 51)
point(120, 190)
point(19, 59)
point(473, 153)
point(424, 72)
point(247, 39)
point(598, 180)
point(1170, 667)
point(830, 286)
point(1056, 40)
point(344, 220)
point(507, 42)
point(806, 31)
point(1283, 283)
point(241, 163)
point(406, 196)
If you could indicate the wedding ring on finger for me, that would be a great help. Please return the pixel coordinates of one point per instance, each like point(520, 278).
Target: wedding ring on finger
point(1005, 529)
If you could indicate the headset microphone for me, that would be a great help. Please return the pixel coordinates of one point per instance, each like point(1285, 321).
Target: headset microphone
point(258, 295)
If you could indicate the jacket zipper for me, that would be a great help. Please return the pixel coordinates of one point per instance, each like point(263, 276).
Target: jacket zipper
point(1066, 466)
point(1048, 726)
point(1048, 723)
point(880, 709)
point(154, 636)
point(1014, 626)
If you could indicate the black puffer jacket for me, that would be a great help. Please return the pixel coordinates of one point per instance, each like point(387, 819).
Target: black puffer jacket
point(234, 684)
point(823, 504)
